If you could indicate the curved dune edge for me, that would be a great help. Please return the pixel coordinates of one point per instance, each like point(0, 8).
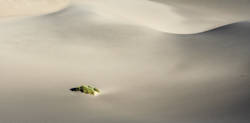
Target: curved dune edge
point(157, 16)
point(241, 25)
point(219, 28)
point(198, 77)
point(142, 13)
point(101, 17)
point(26, 8)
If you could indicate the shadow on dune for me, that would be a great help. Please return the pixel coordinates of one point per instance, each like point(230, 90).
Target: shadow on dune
point(146, 76)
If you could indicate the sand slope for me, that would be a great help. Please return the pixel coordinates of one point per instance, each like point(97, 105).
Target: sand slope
point(145, 75)
point(172, 16)
point(22, 8)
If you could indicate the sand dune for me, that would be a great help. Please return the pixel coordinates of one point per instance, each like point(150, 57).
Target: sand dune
point(145, 75)
point(172, 16)
point(236, 29)
point(23, 8)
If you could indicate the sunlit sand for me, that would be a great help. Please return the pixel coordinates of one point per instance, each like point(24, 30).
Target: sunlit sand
point(152, 60)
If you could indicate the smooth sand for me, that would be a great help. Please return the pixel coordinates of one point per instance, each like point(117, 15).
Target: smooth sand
point(172, 16)
point(145, 75)
point(21, 8)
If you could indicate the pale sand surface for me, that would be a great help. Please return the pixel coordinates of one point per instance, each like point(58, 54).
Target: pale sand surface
point(20, 8)
point(145, 75)
point(172, 16)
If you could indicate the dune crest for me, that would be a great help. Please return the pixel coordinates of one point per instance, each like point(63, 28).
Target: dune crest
point(144, 75)
point(162, 17)
point(20, 8)
point(236, 28)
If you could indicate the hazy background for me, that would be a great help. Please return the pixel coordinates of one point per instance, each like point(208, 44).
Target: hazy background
point(145, 75)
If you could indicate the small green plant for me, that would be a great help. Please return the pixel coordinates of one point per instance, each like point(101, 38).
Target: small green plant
point(86, 89)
